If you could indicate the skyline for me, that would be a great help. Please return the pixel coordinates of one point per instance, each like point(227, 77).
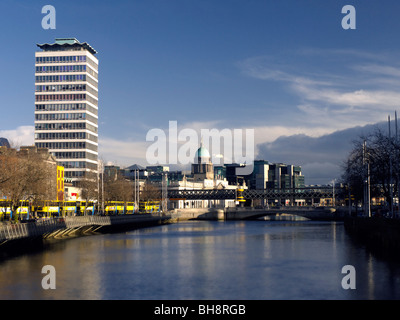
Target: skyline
point(282, 69)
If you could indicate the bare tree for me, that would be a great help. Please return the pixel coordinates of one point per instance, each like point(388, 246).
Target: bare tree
point(89, 186)
point(150, 192)
point(381, 154)
point(27, 174)
point(118, 189)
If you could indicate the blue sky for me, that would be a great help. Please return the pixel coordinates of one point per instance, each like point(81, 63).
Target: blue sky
point(283, 68)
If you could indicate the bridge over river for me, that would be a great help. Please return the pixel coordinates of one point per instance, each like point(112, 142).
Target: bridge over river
point(252, 194)
point(239, 213)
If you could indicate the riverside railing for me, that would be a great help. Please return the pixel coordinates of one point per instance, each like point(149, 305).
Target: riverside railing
point(48, 226)
point(30, 229)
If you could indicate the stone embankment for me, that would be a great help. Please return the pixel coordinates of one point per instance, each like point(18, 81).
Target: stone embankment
point(72, 226)
point(381, 235)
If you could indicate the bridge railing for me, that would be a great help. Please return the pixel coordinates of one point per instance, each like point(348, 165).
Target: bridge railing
point(275, 208)
point(295, 193)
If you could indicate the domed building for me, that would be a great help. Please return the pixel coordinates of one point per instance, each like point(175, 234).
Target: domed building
point(4, 143)
point(203, 168)
point(201, 178)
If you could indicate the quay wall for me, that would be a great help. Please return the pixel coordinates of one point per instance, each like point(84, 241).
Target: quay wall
point(197, 214)
point(381, 235)
point(237, 213)
point(22, 238)
point(73, 226)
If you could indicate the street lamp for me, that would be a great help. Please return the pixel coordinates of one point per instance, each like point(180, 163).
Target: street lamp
point(333, 192)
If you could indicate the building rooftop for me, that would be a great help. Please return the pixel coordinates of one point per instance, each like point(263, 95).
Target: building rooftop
point(67, 44)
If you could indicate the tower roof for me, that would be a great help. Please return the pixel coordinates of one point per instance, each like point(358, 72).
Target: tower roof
point(66, 43)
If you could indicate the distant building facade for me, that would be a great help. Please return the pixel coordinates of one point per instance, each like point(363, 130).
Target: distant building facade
point(265, 175)
point(275, 176)
point(202, 168)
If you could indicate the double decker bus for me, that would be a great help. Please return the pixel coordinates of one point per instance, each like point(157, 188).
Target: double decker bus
point(119, 207)
point(149, 206)
point(20, 212)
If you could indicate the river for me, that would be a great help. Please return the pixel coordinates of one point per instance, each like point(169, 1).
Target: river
point(205, 260)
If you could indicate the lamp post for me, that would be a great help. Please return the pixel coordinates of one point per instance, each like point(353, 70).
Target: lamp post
point(333, 192)
point(100, 167)
point(367, 182)
point(136, 189)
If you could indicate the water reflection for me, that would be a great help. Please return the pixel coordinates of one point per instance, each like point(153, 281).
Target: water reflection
point(205, 260)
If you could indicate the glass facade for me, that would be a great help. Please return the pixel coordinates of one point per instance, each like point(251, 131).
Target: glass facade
point(66, 106)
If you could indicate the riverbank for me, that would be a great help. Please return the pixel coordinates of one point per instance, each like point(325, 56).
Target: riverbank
point(380, 235)
point(16, 239)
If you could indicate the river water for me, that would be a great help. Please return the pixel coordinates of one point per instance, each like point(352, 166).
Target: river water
point(205, 260)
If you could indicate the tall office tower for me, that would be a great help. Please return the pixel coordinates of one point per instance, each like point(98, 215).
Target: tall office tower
point(66, 105)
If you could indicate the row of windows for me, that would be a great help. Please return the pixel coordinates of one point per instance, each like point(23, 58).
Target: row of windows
point(72, 68)
point(60, 97)
point(60, 116)
point(65, 107)
point(75, 155)
point(66, 87)
point(66, 145)
point(78, 165)
point(66, 135)
point(65, 97)
point(61, 78)
point(65, 125)
point(61, 87)
point(65, 116)
point(65, 59)
point(66, 78)
point(60, 135)
point(74, 174)
point(58, 59)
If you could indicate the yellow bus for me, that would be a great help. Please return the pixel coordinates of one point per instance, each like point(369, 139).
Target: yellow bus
point(114, 207)
point(119, 207)
point(22, 211)
point(48, 209)
point(149, 206)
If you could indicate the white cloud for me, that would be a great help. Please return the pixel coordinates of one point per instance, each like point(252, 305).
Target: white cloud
point(21, 136)
point(379, 69)
point(122, 152)
point(125, 152)
point(363, 90)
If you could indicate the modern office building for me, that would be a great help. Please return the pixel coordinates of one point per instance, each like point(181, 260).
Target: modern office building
point(275, 176)
point(66, 105)
point(265, 175)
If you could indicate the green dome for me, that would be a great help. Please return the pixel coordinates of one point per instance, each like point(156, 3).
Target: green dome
point(202, 153)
